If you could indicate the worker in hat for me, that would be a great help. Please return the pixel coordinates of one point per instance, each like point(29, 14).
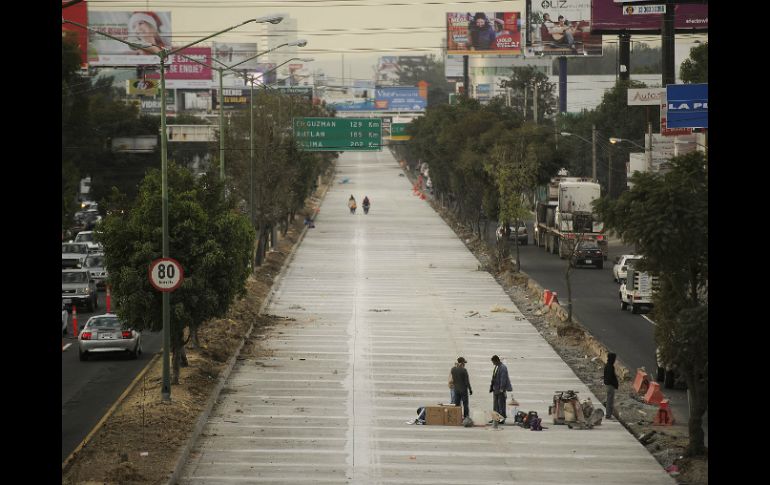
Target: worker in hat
point(462, 385)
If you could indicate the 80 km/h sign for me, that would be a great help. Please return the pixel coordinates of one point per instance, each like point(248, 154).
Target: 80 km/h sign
point(166, 274)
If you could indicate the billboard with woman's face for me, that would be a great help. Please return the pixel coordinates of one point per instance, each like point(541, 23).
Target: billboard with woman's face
point(151, 30)
point(483, 33)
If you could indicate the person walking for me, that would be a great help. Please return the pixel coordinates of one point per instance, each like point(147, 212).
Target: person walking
point(610, 383)
point(352, 204)
point(498, 387)
point(462, 385)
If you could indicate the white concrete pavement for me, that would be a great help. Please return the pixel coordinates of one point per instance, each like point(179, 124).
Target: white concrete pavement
point(382, 306)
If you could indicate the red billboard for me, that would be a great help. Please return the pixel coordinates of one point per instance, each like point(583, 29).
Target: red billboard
point(76, 13)
point(611, 17)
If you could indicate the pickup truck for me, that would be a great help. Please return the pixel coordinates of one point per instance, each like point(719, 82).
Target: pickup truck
point(636, 291)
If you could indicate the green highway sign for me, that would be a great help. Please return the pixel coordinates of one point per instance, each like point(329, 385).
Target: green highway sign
point(338, 134)
point(398, 131)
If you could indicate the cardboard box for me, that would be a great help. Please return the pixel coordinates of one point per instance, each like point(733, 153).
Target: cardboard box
point(444, 415)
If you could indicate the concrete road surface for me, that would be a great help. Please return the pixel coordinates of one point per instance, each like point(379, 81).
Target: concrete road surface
point(383, 305)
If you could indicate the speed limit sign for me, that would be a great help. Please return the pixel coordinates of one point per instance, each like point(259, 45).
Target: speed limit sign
point(166, 274)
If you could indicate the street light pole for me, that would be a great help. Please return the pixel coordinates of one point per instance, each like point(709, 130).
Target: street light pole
point(593, 151)
point(164, 54)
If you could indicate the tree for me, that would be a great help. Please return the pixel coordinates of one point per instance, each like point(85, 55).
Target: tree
point(212, 242)
point(431, 71)
point(666, 217)
point(696, 68)
point(522, 83)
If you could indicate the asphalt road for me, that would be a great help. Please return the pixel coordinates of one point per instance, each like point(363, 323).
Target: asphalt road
point(89, 388)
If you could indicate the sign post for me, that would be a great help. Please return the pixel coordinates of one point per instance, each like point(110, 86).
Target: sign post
point(166, 275)
point(338, 134)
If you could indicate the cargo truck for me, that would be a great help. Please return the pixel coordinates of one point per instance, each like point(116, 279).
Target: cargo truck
point(563, 212)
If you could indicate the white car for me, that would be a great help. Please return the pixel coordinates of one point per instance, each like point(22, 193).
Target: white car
point(620, 270)
point(87, 237)
point(73, 254)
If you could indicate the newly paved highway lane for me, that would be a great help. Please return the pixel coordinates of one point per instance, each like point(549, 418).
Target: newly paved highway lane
point(89, 388)
point(381, 306)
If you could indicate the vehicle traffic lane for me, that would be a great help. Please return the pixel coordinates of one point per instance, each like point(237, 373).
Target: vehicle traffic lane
point(89, 388)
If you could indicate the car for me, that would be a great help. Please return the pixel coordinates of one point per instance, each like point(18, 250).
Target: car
point(94, 263)
point(87, 218)
point(73, 254)
point(522, 234)
point(636, 291)
point(87, 237)
point(622, 263)
point(64, 319)
point(78, 287)
point(587, 253)
point(108, 334)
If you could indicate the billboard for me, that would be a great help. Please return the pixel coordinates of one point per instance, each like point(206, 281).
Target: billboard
point(230, 54)
point(687, 105)
point(646, 96)
point(611, 17)
point(142, 87)
point(183, 73)
point(76, 13)
point(152, 105)
point(453, 67)
point(138, 27)
point(563, 28)
point(407, 98)
point(302, 92)
point(232, 98)
point(483, 33)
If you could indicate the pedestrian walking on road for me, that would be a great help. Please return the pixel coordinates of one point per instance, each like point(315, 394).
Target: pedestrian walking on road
point(352, 204)
point(610, 383)
point(462, 385)
point(500, 384)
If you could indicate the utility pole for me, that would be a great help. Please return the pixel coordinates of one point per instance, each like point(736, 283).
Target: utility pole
point(562, 84)
point(624, 40)
point(593, 152)
point(535, 101)
point(649, 151)
point(667, 44)
point(466, 77)
point(525, 102)
point(609, 172)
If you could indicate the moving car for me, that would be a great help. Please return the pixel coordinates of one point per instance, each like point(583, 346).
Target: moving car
point(107, 334)
point(587, 253)
point(622, 263)
point(94, 263)
point(636, 291)
point(77, 287)
point(87, 237)
point(73, 254)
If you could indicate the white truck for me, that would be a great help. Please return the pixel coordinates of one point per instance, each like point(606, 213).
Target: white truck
point(563, 212)
point(636, 291)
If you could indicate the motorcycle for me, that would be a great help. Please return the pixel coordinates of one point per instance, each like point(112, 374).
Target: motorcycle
point(366, 208)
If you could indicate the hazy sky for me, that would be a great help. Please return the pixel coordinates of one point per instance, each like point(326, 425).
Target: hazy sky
point(361, 30)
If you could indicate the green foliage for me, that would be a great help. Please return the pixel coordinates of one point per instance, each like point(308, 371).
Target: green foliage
point(211, 242)
point(644, 60)
point(526, 78)
point(666, 217)
point(432, 71)
point(696, 68)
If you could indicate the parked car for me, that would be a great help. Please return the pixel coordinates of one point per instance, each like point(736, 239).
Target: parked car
point(73, 254)
point(622, 263)
point(94, 263)
point(78, 288)
point(587, 253)
point(64, 319)
point(522, 234)
point(87, 237)
point(106, 334)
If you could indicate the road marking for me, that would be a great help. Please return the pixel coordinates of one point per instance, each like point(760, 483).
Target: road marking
point(66, 347)
point(109, 412)
point(648, 319)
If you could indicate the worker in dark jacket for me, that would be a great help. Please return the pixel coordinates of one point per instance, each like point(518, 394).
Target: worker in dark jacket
point(500, 384)
point(462, 385)
point(610, 382)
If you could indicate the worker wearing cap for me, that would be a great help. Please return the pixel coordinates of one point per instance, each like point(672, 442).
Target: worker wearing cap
point(462, 385)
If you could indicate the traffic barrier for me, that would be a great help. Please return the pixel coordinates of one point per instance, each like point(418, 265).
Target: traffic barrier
point(422, 196)
point(108, 298)
point(663, 417)
point(555, 298)
point(74, 320)
point(653, 396)
point(547, 297)
point(641, 382)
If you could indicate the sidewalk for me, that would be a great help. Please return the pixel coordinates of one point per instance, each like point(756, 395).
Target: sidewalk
point(381, 306)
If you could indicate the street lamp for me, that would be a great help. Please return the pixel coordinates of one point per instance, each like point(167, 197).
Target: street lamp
point(163, 54)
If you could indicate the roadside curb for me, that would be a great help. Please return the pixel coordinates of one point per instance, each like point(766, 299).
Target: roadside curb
point(67, 461)
point(225, 375)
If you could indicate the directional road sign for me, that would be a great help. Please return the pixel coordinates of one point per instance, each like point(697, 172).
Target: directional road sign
point(338, 134)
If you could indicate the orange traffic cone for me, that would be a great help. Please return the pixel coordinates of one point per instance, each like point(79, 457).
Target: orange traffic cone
point(663, 417)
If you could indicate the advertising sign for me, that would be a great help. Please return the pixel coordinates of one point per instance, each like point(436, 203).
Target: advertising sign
point(338, 134)
point(142, 87)
point(483, 33)
point(232, 98)
point(610, 17)
point(453, 67)
point(688, 105)
point(152, 105)
point(406, 98)
point(664, 129)
point(644, 9)
point(563, 28)
point(230, 54)
point(183, 73)
point(646, 96)
point(152, 29)
point(76, 13)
